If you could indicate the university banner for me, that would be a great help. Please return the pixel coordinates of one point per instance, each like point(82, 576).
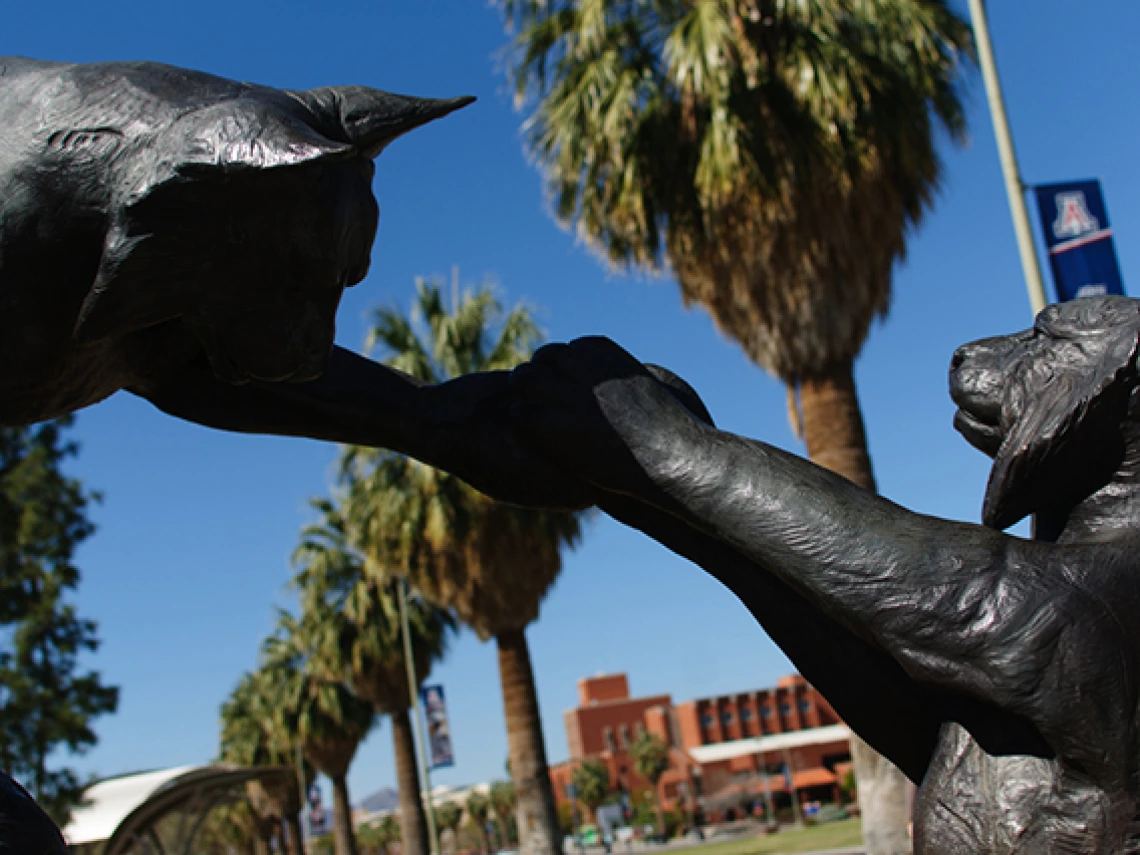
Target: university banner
point(1078, 239)
point(439, 732)
point(318, 819)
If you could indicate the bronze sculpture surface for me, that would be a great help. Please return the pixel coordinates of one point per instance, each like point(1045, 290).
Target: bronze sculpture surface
point(999, 673)
point(187, 238)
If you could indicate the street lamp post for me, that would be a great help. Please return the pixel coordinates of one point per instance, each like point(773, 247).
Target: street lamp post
point(413, 691)
point(1014, 188)
point(306, 829)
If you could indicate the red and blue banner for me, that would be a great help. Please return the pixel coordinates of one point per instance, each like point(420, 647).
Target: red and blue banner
point(1078, 239)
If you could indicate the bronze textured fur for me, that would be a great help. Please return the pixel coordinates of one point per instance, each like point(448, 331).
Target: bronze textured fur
point(187, 238)
point(1000, 674)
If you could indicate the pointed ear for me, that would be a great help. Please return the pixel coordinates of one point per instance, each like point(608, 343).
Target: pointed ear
point(1067, 441)
point(369, 119)
point(135, 285)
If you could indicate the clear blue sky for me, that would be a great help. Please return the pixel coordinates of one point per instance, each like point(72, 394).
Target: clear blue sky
point(197, 527)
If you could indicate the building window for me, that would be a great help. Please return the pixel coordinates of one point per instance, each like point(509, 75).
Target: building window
point(805, 706)
point(624, 732)
point(608, 736)
point(746, 714)
point(706, 720)
point(726, 718)
point(639, 729)
point(765, 712)
point(785, 709)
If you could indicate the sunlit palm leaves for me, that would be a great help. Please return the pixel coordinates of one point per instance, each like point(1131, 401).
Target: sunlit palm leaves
point(330, 720)
point(491, 563)
point(350, 608)
point(349, 602)
point(774, 153)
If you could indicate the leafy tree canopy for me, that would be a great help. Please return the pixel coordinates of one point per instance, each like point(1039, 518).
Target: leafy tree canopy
point(48, 701)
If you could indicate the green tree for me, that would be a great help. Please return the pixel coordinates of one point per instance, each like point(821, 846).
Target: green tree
point(591, 784)
point(503, 803)
point(330, 721)
point(350, 596)
point(478, 811)
point(255, 731)
point(229, 828)
point(650, 757)
point(447, 818)
point(489, 562)
point(48, 702)
point(775, 156)
point(376, 838)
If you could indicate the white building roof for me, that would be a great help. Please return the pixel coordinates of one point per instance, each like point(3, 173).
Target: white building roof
point(765, 744)
point(108, 803)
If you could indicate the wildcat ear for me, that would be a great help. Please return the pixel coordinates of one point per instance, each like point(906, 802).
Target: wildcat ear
point(235, 135)
point(369, 119)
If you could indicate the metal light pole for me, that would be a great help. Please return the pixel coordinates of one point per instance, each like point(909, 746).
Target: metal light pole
point(1014, 189)
point(306, 831)
point(414, 693)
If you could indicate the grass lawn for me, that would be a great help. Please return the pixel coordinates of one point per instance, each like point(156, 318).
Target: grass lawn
point(833, 835)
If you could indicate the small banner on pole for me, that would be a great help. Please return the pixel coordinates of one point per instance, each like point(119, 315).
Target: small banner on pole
point(1078, 239)
point(317, 816)
point(439, 732)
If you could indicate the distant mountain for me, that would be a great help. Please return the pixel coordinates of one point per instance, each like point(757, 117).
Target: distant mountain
point(385, 799)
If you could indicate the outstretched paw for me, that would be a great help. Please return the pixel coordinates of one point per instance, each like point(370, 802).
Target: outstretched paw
point(592, 409)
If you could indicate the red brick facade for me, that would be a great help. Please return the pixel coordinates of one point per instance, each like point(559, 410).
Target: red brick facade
point(792, 705)
point(608, 719)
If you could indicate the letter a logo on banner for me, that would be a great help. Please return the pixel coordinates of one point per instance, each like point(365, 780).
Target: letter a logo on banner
point(1073, 217)
point(1074, 220)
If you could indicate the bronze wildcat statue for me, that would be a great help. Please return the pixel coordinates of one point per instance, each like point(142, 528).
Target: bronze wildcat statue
point(188, 238)
point(1000, 674)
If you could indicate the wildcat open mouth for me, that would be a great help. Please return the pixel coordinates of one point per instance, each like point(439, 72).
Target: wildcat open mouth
point(983, 436)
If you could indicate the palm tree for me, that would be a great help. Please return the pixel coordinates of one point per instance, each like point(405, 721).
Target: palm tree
point(591, 784)
point(229, 828)
point(331, 721)
point(775, 155)
point(447, 817)
point(503, 803)
point(491, 563)
point(650, 757)
point(478, 809)
point(255, 732)
point(350, 597)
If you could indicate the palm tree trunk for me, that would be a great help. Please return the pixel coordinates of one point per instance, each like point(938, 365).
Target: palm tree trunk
point(535, 811)
point(660, 812)
point(343, 837)
point(836, 440)
point(296, 836)
point(833, 427)
point(413, 823)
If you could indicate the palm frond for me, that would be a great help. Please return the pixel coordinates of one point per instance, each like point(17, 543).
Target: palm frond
point(775, 153)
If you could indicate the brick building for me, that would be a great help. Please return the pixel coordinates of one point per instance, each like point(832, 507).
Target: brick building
point(726, 753)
